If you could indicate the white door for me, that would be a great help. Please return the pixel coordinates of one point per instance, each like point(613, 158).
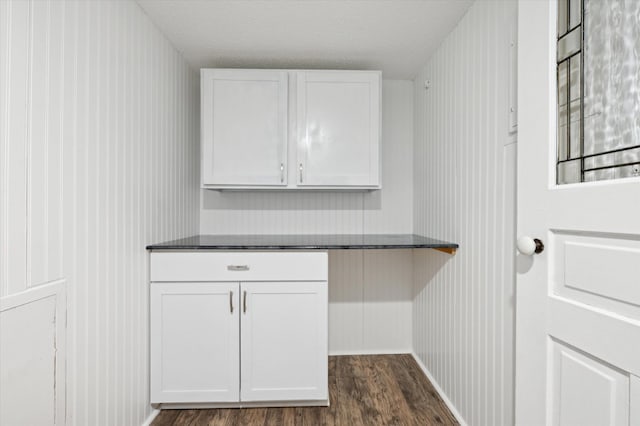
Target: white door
point(338, 126)
point(578, 301)
point(284, 341)
point(194, 342)
point(244, 127)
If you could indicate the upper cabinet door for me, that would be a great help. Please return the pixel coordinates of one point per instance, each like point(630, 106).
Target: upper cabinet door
point(244, 127)
point(338, 128)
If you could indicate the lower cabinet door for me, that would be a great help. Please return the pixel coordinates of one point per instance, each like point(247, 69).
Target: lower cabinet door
point(194, 342)
point(284, 341)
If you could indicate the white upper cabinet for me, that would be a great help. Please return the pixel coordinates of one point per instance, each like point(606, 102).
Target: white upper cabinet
point(280, 129)
point(338, 128)
point(244, 127)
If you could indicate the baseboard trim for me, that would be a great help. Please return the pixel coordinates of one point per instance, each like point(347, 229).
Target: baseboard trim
point(372, 352)
point(244, 404)
point(442, 394)
point(151, 417)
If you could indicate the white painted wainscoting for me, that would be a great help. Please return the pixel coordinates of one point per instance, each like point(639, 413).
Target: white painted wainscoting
point(370, 290)
point(464, 191)
point(98, 157)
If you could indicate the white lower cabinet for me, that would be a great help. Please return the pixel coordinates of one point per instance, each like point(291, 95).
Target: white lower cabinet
point(242, 342)
point(284, 341)
point(195, 347)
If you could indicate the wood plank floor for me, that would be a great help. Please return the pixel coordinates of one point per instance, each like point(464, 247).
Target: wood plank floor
point(363, 390)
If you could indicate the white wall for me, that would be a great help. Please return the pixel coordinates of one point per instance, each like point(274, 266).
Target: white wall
point(464, 191)
point(360, 318)
point(98, 157)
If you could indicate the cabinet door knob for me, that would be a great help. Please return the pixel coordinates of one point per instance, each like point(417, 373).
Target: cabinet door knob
point(231, 301)
point(300, 172)
point(281, 172)
point(244, 302)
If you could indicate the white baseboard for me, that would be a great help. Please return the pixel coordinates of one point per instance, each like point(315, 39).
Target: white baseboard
point(443, 395)
point(256, 404)
point(151, 417)
point(371, 352)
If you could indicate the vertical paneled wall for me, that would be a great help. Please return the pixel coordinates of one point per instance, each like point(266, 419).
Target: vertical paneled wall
point(98, 157)
point(464, 191)
point(370, 292)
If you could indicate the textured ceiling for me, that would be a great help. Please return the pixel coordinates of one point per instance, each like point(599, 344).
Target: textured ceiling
point(394, 36)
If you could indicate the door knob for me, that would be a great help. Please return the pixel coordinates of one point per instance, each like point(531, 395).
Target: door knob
point(528, 246)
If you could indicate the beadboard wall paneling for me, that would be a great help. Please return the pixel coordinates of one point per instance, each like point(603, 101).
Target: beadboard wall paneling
point(388, 299)
point(99, 153)
point(346, 301)
point(370, 291)
point(370, 301)
point(464, 191)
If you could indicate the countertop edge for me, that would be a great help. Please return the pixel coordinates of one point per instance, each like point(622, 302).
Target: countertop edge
point(303, 242)
point(302, 247)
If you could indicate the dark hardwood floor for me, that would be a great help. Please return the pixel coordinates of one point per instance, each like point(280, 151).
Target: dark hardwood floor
point(364, 390)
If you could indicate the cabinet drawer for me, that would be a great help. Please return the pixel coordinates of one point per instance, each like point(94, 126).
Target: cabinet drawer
point(238, 266)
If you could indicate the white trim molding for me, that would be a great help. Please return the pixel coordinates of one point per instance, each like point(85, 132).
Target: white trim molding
point(151, 417)
point(442, 394)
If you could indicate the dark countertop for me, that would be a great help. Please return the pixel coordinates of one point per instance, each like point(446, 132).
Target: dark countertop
point(303, 242)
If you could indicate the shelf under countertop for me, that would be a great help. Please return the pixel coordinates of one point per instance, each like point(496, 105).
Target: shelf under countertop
point(305, 242)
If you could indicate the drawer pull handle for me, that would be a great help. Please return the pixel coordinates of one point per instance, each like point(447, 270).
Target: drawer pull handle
point(238, 267)
point(244, 302)
point(231, 301)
